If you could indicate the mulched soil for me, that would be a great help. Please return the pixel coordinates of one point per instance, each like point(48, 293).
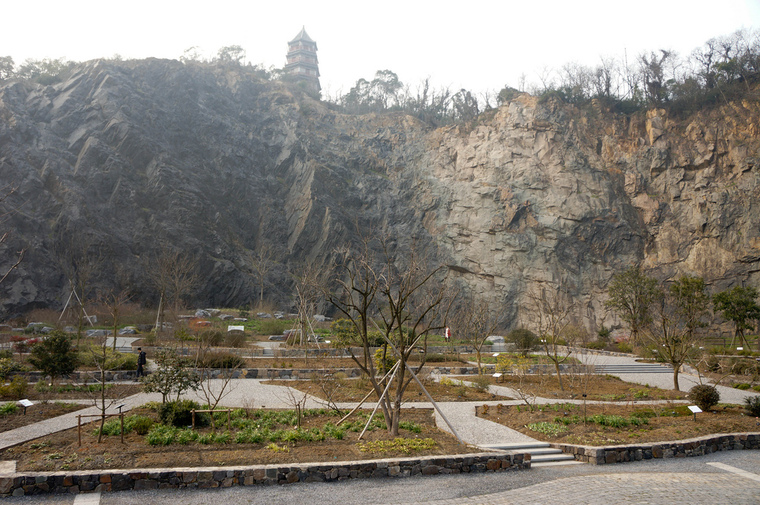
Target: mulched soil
point(663, 423)
point(353, 390)
point(60, 451)
point(36, 413)
point(596, 387)
point(112, 391)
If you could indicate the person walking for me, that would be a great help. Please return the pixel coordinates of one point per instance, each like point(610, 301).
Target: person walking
point(142, 358)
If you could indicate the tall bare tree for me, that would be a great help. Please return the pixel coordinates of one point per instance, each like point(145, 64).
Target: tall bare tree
point(114, 300)
point(262, 262)
point(405, 304)
point(473, 321)
point(551, 314)
point(173, 275)
point(80, 261)
point(677, 314)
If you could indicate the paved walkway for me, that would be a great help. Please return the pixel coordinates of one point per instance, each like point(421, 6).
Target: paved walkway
point(686, 381)
point(251, 393)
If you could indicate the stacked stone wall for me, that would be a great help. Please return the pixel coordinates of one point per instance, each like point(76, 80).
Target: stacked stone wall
point(677, 449)
point(21, 484)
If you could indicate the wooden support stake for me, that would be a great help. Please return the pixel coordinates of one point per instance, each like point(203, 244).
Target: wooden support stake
point(79, 430)
point(121, 415)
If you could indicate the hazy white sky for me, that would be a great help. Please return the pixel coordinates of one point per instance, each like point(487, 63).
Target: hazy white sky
point(476, 44)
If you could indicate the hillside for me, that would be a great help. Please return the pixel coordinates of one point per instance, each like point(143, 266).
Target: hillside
point(124, 159)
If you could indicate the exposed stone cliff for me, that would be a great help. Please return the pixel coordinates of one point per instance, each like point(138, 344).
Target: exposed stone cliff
point(127, 156)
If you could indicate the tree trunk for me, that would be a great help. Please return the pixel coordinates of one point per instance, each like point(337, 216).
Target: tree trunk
point(675, 377)
point(559, 375)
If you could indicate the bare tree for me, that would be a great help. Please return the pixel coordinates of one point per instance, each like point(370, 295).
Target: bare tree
point(677, 314)
point(551, 311)
point(307, 293)
point(104, 362)
point(80, 261)
point(473, 321)
point(114, 300)
point(261, 262)
point(173, 275)
point(214, 383)
point(405, 304)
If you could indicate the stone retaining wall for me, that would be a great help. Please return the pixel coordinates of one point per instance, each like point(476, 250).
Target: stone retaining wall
point(678, 449)
point(203, 478)
point(250, 373)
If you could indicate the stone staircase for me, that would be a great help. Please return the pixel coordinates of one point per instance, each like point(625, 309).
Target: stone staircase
point(541, 453)
point(615, 369)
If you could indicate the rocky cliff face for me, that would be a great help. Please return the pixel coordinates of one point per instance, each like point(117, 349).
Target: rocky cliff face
point(125, 158)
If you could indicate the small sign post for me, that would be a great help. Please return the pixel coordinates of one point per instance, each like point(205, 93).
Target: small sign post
point(694, 409)
point(25, 403)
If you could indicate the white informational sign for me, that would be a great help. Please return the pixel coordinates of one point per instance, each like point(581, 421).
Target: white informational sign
point(235, 328)
point(695, 409)
point(25, 403)
point(497, 375)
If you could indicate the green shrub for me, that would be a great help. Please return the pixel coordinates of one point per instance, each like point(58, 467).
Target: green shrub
point(551, 429)
point(704, 396)
point(178, 413)
point(273, 326)
point(161, 435)
point(9, 366)
point(752, 404)
point(624, 347)
point(212, 337)
point(115, 360)
point(139, 424)
point(16, 390)
point(481, 383)
point(410, 426)
point(8, 408)
point(524, 340)
point(222, 360)
point(184, 437)
point(142, 424)
point(743, 386)
point(383, 365)
point(235, 339)
point(596, 345)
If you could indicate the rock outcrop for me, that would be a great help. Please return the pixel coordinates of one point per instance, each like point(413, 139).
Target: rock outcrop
point(125, 158)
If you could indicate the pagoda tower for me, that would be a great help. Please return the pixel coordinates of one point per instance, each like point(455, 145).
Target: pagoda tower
point(302, 60)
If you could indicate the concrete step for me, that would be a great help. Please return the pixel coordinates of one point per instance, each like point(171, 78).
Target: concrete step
point(541, 453)
point(637, 368)
point(545, 458)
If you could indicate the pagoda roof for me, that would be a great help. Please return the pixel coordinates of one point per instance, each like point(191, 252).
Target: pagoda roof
point(302, 36)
